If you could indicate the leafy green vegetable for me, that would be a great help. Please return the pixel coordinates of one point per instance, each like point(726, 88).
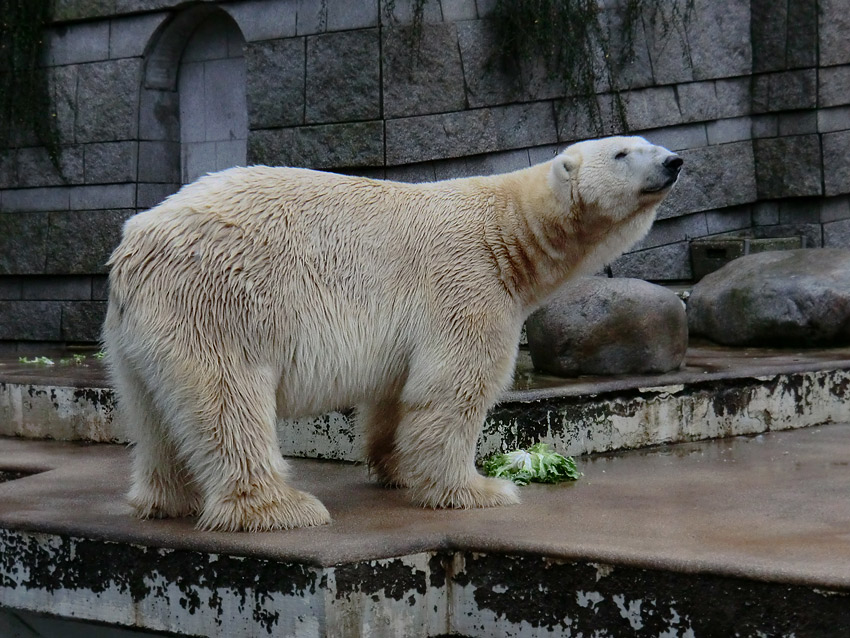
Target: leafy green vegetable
point(538, 464)
point(99, 355)
point(39, 360)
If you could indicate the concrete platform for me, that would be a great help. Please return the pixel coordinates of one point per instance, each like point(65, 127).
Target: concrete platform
point(745, 536)
point(718, 392)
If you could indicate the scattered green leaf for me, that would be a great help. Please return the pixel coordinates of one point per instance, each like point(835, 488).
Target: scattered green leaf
point(36, 360)
point(99, 355)
point(538, 464)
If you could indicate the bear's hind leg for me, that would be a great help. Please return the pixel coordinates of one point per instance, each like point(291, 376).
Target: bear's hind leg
point(380, 421)
point(160, 487)
point(435, 449)
point(233, 453)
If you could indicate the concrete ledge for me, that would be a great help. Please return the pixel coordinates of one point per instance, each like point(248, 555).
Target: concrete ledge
point(744, 536)
point(719, 392)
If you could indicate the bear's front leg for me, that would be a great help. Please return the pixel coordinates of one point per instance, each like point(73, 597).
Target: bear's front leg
point(435, 446)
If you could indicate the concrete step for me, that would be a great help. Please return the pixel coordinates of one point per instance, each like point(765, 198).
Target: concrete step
point(746, 536)
point(718, 392)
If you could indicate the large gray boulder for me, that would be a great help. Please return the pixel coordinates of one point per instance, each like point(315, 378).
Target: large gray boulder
point(782, 298)
point(596, 325)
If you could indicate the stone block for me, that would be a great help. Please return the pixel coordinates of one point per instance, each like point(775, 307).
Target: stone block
point(149, 195)
point(424, 76)
point(786, 298)
point(108, 100)
point(836, 163)
point(159, 115)
point(62, 84)
point(8, 168)
point(728, 219)
point(343, 77)
point(788, 166)
point(197, 159)
point(316, 16)
point(652, 108)
point(677, 138)
point(666, 37)
point(837, 234)
point(103, 197)
point(35, 199)
point(263, 19)
point(834, 209)
point(36, 169)
point(82, 321)
point(225, 111)
point(734, 97)
point(275, 83)
point(159, 162)
point(99, 288)
point(11, 287)
point(799, 211)
point(330, 146)
point(490, 164)
point(765, 126)
point(672, 230)
point(671, 262)
point(75, 43)
point(734, 129)
point(597, 325)
point(456, 10)
point(834, 25)
point(540, 154)
point(769, 28)
point(765, 213)
point(130, 36)
point(834, 119)
point(229, 154)
point(193, 102)
point(719, 38)
point(488, 81)
point(57, 288)
point(111, 162)
point(798, 123)
point(628, 54)
point(802, 46)
point(23, 243)
point(428, 137)
point(30, 320)
point(403, 12)
point(834, 86)
point(713, 177)
point(63, 10)
point(785, 91)
point(412, 173)
point(80, 242)
point(698, 101)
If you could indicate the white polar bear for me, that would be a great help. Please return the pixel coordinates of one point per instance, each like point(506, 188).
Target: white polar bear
point(258, 293)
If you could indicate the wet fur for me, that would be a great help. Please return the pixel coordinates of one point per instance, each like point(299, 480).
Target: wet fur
point(258, 293)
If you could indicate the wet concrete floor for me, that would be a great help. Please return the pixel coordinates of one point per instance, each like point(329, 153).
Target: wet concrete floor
point(774, 507)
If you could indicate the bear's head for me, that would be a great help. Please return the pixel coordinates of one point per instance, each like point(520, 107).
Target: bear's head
point(608, 191)
point(619, 177)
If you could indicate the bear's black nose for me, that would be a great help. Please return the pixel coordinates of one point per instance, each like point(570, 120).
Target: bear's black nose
point(673, 163)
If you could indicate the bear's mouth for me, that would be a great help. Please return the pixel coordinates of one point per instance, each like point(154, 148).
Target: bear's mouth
point(668, 184)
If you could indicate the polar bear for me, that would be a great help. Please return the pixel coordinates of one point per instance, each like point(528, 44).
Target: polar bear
point(257, 293)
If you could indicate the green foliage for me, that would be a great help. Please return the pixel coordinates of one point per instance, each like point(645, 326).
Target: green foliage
point(43, 361)
point(538, 464)
point(580, 44)
point(25, 103)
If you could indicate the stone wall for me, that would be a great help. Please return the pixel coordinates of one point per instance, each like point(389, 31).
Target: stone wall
point(754, 94)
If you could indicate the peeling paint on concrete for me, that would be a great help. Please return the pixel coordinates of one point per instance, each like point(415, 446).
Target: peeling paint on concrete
point(576, 425)
point(425, 594)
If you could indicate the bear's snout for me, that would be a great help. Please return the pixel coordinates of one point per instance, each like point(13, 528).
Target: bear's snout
point(673, 164)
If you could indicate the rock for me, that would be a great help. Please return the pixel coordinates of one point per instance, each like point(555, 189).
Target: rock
point(782, 298)
point(597, 325)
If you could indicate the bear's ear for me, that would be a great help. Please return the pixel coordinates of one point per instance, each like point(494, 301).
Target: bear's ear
point(566, 163)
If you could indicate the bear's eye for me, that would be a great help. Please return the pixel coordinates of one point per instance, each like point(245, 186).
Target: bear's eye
point(621, 155)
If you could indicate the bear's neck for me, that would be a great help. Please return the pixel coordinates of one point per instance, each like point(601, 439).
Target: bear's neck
point(540, 240)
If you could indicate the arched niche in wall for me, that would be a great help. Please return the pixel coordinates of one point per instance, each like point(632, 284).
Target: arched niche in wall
point(193, 113)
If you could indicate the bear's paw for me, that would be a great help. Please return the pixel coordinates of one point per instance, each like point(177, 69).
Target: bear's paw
point(478, 492)
point(288, 508)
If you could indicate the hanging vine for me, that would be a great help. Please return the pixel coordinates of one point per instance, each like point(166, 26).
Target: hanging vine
point(580, 46)
point(25, 104)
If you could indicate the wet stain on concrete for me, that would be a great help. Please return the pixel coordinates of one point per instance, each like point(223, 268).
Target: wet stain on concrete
point(590, 599)
point(391, 579)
